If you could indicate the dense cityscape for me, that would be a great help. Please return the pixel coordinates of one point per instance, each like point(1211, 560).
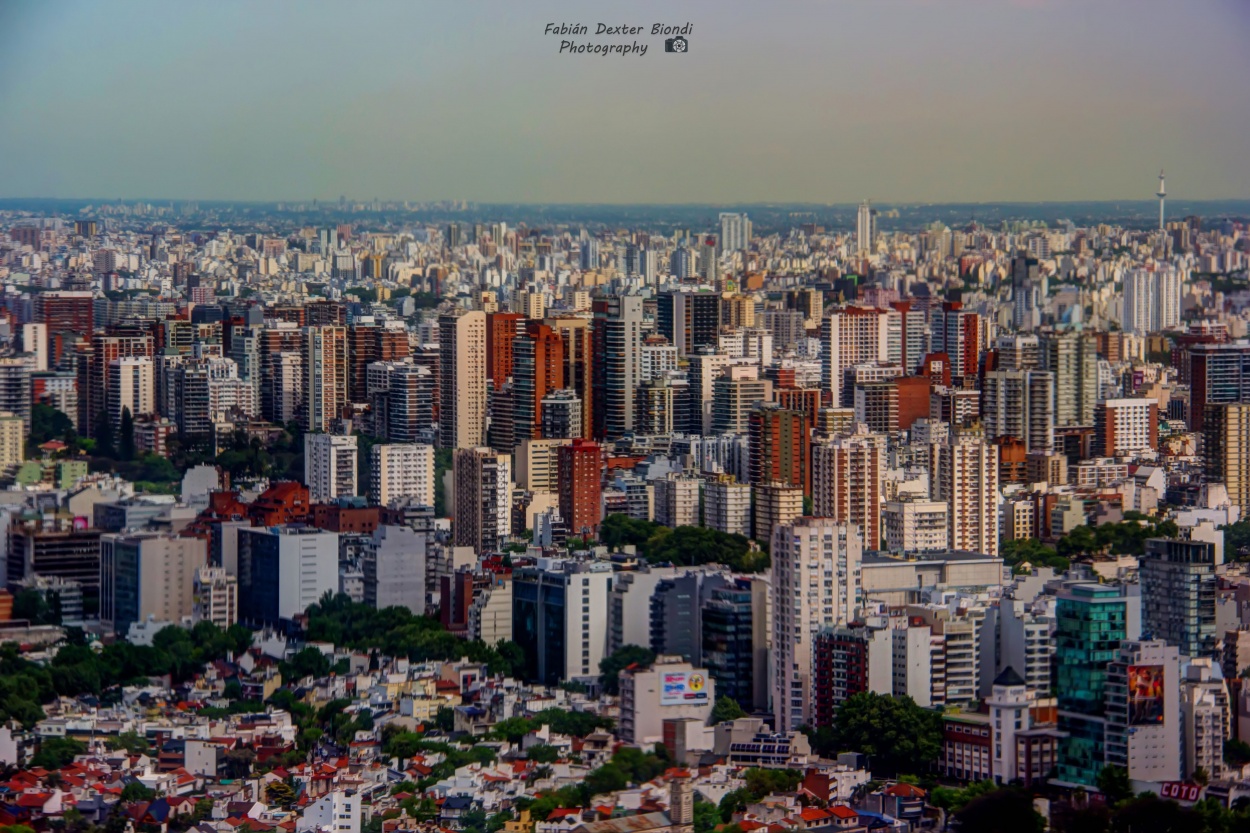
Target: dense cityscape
point(372, 523)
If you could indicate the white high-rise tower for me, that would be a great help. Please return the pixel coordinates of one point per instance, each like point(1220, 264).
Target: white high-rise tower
point(1162, 193)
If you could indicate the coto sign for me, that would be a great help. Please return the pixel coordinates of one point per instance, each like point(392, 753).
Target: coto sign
point(1180, 791)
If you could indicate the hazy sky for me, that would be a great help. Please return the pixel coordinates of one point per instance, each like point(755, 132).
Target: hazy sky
point(830, 102)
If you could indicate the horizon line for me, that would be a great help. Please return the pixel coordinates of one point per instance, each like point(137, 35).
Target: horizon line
point(1151, 200)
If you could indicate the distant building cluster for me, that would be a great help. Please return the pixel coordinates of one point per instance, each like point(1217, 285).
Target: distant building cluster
point(998, 471)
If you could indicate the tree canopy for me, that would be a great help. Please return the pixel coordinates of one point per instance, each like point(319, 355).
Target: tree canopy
point(897, 735)
point(610, 667)
point(685, 546)
point(396, 631)
point(1128, 537)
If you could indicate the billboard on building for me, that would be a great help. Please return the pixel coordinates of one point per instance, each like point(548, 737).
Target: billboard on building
point(1145, 694)
point(683, 688)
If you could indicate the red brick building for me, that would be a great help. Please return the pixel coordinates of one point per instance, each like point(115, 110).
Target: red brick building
point(501, 329)
point(581, 486)
point(781, 447)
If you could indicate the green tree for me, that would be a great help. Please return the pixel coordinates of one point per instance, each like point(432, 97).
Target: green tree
point(132, 742)
point(543, 753)
point(126, 444)
point(706, 817)
point(726, 708)
point(55, 753)
point(610, 667)
point(1066, 817)
point(445, 718)
point(895, 733)
point(32, 606)
point(103, 434)
point(443, 458)
point(280, 793)
point(1032, 551)
point(136, 791)
point(1147, 813)
point(1008, 810)
point(47, 423)
point(1113, 782)
point(512, 729)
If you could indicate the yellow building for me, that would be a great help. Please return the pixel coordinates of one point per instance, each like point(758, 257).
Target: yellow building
point(12, 440)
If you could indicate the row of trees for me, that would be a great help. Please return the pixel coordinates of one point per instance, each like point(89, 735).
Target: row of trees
point(397, 632)
point(80, 669)
point(1127, 537)
point(685, 546)
point(628, 766)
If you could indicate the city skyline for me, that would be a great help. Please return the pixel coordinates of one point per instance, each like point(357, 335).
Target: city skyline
point(1046, 101)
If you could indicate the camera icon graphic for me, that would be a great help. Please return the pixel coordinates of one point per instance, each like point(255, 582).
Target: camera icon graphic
point(677, 44)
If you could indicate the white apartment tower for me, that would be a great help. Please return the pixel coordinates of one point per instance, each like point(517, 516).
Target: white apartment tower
point(815, 585)
point(852, 336)
point(462, 380)
point(865, 228)
point(330, 462)
point(1152, 300)
point(401, 470)
point(964, 475)
point(1020, 404)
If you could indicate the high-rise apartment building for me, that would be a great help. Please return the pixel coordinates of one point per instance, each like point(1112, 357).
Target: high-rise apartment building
point(1151, 300)
point(502, 328)
point(734, 394)
point(1226, 450)
point(1020, 404)
point(852, 336)
point(964, 475)
point(1073, 358)
point(132, 387)
point(537, 370)
point(148, 575)
point(735, 232)
point(1217, 374)
point(780, 442)
point(1091, 623)
point(580, 479)
point(848, 474)
point(462, 379)
point(216, 597)
point(12, 440)
point(815, 585)
point(579, 360)
point(401, 395)
point(689, 320)
point(774, 504)
point(727, 505)
point(325, 376)
point(677, 500)
point(283, 570)
point(865, 228)
point(1125, 426)
point(401, 470)
point(483, 505)
point(1143, 712)
point(69, 315)
point(915, 526)
point(962, 335)
point(330, 464)
point(617, 344)
point(1178, 594)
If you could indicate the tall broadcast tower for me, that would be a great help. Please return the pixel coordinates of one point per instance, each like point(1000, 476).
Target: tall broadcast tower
point(1162, 193)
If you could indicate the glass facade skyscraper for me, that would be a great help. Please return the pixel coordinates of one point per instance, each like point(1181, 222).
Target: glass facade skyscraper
point(1091, 623)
